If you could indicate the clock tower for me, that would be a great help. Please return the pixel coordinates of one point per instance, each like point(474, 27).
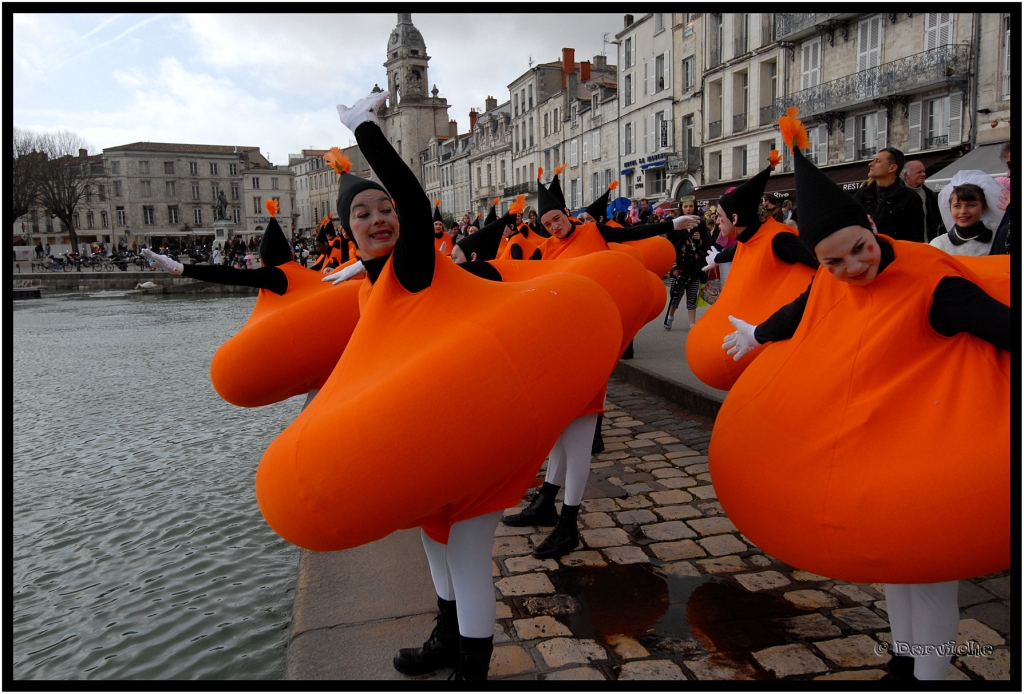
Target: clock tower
point(412, 115)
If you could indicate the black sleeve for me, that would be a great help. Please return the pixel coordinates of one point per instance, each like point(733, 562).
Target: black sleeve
point(319, 264)
point(270, 278)
point(783, 323)
point(643, 231)
point(516, 252)
point(413, 257)
point(960, 306)
point(788, 248)
point(727, 255)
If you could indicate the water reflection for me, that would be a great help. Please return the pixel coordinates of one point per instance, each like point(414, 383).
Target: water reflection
point(139, 551)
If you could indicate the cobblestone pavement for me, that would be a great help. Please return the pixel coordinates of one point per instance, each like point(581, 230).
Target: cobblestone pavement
point(664, 586)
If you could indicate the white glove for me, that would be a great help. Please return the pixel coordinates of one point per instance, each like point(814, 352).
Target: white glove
point(363, 110)
point(345, 273)
point(741, 341)
point(163, 262)
point(444, 247)
point(710, 258)
point(686, 221)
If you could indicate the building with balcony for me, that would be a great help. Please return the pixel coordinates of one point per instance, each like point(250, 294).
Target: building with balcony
point(491, 158)
point(684, 165)
point(743, 73)
point(270, 182)
point(866, 81)
point(530, 95)
point(645, 105)
point(446, 171)
point(994, 80)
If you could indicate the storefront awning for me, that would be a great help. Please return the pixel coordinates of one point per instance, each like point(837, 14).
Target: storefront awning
point(981, 158)
point(849, 177)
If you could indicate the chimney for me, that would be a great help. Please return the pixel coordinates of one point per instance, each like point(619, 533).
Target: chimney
point(472, 119)
point(627, 21)
point(83, 153)
point(453, 128)
point(568, 63)
point(600, 63)
point(490, 103)
point(585, 71)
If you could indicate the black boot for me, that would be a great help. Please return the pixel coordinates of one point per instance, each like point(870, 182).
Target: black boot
point(901, 669)
point(563, 539)
point(541, 510)
point(474, 659)
point(598, 445)
point(440, 650)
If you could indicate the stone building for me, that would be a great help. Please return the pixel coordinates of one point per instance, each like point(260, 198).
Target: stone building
point(994, 79)
point(302, 166)
point(645, 104)
point(316, 185)
point(445, 169)
point(262, 183)
point(685, 164)
point(412, 116)
point(527, 93)
point(490, 160)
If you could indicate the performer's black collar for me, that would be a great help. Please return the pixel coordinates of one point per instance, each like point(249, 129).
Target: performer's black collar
point(374, 266)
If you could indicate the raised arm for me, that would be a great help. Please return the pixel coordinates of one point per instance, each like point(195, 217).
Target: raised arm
point(270, 278)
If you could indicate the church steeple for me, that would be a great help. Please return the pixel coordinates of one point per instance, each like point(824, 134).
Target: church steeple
point(407, 62)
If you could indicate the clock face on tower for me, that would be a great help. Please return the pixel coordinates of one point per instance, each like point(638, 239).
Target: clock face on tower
point(394, 38)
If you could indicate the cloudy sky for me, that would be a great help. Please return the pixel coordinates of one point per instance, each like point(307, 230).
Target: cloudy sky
point(265, 80)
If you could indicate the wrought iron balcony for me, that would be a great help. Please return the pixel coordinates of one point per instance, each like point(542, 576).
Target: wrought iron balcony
point(740, 45)
point(936, 141)
point(739, 122)
point(766, 115)
point(686, 161)
point(767, 34)
point(714, 129)
point(520, 188)
point(915, 73)
point(788, 26)
point(714, 57)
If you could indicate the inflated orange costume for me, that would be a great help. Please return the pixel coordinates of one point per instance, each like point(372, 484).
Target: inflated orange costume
point(868, 447)
point(759, 284)
point(282, 324)
point(396, 371)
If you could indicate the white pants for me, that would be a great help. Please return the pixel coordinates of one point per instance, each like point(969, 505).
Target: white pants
point(569, 460)
point(461, 571)
point(924, 614)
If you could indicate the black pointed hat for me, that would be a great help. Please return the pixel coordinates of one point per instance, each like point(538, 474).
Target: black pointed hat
point(824, 207)
point(548, 198)
point(437, 212)
point(493, 214)
point(556, 186)
point(486, 240)
point(744, 200)
point(274, 248)
point(599, 208)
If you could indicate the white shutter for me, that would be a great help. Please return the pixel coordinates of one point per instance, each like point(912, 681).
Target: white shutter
point(669, 123)
point(810, 64)
point(585, 143)
point(597, 144)
point(914, 121)
point(822, 145)
point(632, 90)
point(955, 117)
point(883, 127)
point(851, 139)
point(575, 161)
point(654, 134)
point(668, 72)
point(869, 43)
point(646, 134)
point(931, 30)
point(945, 28)
point(632, 50)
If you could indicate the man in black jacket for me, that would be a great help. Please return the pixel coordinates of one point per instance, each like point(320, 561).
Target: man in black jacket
point(914, 176)
point(895, 208)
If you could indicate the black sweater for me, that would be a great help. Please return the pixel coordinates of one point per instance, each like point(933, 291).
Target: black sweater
point(958, 306)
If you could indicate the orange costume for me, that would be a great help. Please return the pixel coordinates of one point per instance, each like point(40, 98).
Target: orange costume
point(759, 284)
point(843, 451)
point(395, 370)
point(281, 323)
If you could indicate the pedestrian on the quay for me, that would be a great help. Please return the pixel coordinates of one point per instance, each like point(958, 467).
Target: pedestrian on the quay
point(895, 209)
point(216, 260)
point(686, 275)
point(48, 250)
point(923, 327)
point(39, 249)
point(914, 176)
point(969, 206)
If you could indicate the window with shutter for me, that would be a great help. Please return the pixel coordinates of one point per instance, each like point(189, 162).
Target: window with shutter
point(668, 70)
point(574, 155)
point(869, 43)
point(850, 151)
point(955, 117)
point(882, 133)
point(645, 78)
point(597, 144)
point(914, 123)
point(938, 29)
point(810, 64)
point(585, 149)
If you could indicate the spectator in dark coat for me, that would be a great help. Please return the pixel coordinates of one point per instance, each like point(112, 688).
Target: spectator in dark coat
point(895, 208)
point(914, 176)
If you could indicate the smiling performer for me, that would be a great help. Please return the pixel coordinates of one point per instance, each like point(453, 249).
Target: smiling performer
point(892, 345)
point(569, 461)
point(290, 297)
point(390, 394)
point(771, 266)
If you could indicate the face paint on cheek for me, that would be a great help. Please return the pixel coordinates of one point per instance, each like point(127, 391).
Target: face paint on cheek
point(871, 249)
point(831, 270)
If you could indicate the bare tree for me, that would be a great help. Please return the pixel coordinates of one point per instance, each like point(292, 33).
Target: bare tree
point(25, 166)
point(65, 175)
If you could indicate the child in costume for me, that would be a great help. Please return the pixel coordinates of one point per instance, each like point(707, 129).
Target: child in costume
point(969, 205)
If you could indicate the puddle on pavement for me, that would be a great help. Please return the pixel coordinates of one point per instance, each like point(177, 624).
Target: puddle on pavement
point(680, 616)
